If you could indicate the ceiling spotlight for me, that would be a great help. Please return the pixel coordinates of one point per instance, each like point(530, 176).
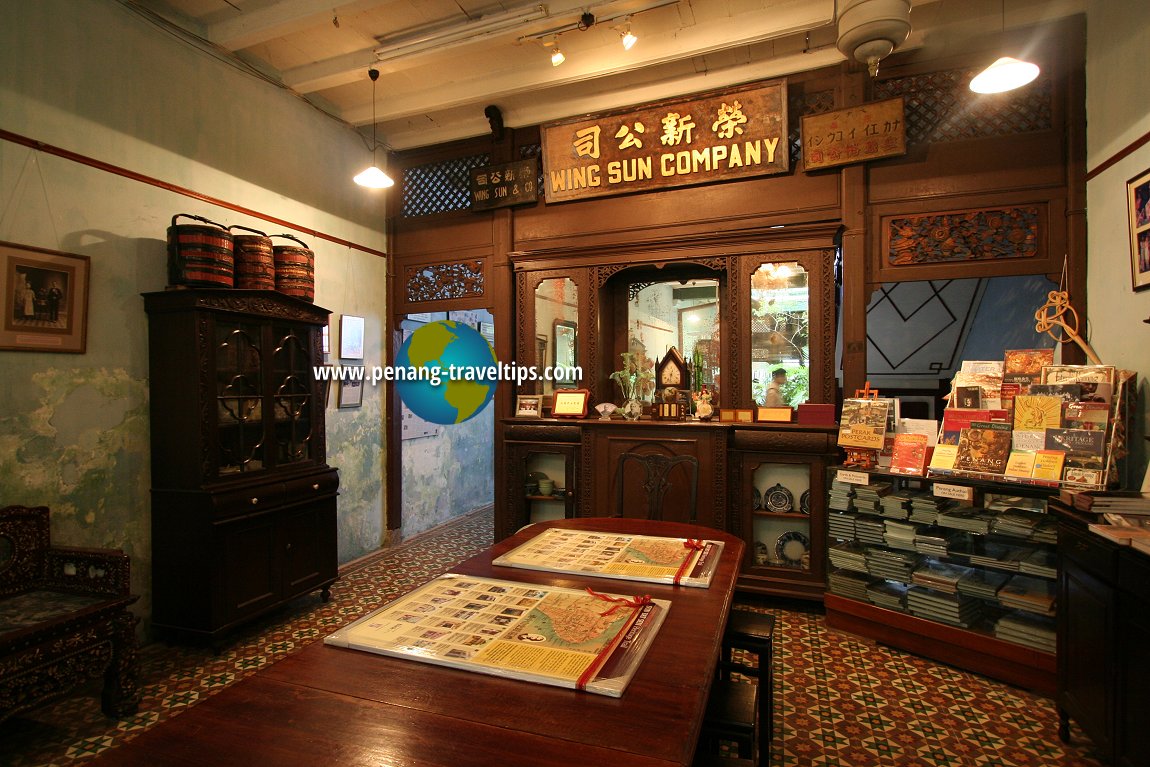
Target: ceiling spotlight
point(557, 57)
point(629, 38)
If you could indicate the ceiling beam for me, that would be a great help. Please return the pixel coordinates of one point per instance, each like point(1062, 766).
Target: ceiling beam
point(278, 19)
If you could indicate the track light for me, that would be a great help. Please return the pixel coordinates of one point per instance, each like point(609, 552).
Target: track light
point(557, 57)
point(372, 177)
point(629, 38)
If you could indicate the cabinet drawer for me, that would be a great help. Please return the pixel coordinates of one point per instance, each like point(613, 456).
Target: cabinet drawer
point(311, 486)
point(253, 499)
point(1093, 554)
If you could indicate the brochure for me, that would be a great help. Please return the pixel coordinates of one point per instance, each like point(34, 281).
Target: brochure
point(562, 637)
point(680, 561)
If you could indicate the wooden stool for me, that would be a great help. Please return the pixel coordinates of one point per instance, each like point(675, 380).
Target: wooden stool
point(731, 716)
point(754, 633)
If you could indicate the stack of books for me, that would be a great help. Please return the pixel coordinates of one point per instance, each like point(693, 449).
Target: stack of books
point(935, 540)
point(901, 535)
point(1046, 532)
point(848, 584)
point(848, 556)
point(867, 498)
point(967, 518)
point(993, 554)
point(1034, 631)
point(1040, 562)
point(1015, 522)
point(896, 565)
point(895, 505)
point(1024, 592)
point(955, 609)
point(841, 526)
point(982, 583)
point(925, 508)
point(940, 576)
point(870, 530)
point(840, 495)
point(888, 594)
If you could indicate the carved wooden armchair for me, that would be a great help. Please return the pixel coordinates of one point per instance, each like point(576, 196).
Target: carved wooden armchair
point(64, 618)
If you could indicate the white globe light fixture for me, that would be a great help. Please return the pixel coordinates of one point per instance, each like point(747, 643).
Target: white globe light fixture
point(870, 30)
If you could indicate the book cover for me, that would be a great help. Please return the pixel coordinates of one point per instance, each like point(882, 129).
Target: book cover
point(1020, 464)
point(983, 367)
point(967, 397)
point(1024, 366)
point(909, 454)
point(1048, 464)
point(1097, 381)
point(954, 420)
point(1077, 441)
point(924, 426)
point(944, 457)
point(863, 423)
point(1028, 440)
point(1068, 392)
point(983, 447)
point(1094, 416)
point(1033, 412)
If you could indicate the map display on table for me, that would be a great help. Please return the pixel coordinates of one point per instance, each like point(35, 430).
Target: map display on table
point(562, 637)
point(678, 561)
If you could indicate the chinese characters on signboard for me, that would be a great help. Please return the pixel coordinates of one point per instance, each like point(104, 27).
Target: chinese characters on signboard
point(861, 133)
point(736, 134)
point(498, 186)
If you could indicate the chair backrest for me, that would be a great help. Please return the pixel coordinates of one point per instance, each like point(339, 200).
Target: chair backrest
point(657, 467)
point(23, 542)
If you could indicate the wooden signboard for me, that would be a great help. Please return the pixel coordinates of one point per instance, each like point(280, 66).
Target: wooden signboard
point(500, 186)
point(737, 133)
point(858, 134)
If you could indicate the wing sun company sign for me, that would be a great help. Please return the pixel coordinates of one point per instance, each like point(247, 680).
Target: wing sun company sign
point(737, 133)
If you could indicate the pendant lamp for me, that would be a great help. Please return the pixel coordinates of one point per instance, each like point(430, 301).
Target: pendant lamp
point(1005, 74)
point(373, 177)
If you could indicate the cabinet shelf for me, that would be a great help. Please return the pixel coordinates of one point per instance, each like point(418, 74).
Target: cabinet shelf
point(780, 514)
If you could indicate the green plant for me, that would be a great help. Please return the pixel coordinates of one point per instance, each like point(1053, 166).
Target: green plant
point(636, 379)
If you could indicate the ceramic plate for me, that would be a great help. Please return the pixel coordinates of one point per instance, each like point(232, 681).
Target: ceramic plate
point(791, 546)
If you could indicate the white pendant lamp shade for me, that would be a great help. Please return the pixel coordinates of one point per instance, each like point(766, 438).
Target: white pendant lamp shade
point(1004, 75)
point(373, 177)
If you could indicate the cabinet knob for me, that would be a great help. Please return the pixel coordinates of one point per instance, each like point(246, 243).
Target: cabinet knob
point(315, 486)
point(255, 501)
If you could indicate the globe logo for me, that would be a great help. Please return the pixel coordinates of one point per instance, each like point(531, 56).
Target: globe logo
point(437, 346)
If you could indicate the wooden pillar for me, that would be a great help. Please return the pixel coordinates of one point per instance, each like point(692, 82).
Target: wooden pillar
point(856, 290)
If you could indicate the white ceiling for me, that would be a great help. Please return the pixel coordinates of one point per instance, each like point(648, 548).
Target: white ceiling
point(322, 49)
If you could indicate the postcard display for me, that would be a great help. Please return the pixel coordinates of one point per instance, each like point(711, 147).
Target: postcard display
point(563, 637)
point(948, 523)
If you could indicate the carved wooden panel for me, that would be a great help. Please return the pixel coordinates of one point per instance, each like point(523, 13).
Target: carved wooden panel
point(445, 281)
point(783, 441)
point(989, 234)
point(527, 432)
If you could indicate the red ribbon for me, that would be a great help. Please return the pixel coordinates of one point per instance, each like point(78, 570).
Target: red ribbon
point(694, 544)
point(632, 602)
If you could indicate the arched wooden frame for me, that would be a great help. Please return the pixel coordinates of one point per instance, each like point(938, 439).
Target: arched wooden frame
point(526, 352)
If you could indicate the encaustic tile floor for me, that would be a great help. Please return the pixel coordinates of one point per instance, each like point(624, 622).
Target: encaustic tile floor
point(840, 701)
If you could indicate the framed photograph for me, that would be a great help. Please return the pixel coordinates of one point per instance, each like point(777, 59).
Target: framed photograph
point(774, 414)
point(570, 403)
point(487, 330)
point(529, 406)
point(45, 300)
point(350, 393)
point(350, 337)
point(325, 340)
point(736, 415)
point(1138, 197)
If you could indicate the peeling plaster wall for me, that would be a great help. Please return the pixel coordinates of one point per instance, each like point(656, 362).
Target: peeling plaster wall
point(74, 430)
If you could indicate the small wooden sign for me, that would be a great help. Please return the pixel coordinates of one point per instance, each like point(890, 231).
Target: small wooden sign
point(852, 477)
point(501, 186)
point(735, 133)
point(853, 135)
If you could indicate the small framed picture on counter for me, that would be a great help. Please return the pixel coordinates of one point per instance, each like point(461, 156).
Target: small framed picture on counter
point(570, 403)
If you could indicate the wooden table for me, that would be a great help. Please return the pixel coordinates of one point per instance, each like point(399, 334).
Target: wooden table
point(331, 706)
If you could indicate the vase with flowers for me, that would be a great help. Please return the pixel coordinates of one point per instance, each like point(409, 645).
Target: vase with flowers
point(635, 380)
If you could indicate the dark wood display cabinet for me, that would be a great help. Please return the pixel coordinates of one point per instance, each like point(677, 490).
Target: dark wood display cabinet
point(243, 503)
point(955, 613)
point(1103, 636)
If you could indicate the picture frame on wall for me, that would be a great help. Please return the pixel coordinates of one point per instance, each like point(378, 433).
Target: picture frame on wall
point(350, 392)
point(45, 300)
point(1138, 204)
point(350, 337)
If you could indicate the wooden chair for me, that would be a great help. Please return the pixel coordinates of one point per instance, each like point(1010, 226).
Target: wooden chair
point(64, 618)
point(657, 467)
point(739, 712)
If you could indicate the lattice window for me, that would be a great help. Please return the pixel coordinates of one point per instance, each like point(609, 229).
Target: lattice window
point(941, 107)
point(439, 187)
point(801, 104)
point(438, 282)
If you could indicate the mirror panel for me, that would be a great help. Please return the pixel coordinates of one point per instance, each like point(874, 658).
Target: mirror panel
point(680, 313)
point(780, 334)
point(557, 329)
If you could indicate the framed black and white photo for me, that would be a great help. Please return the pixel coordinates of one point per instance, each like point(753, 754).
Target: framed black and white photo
point(45, 300)
point(350, 392)
point(529, 406)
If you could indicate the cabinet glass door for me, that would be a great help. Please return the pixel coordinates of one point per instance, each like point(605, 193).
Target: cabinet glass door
point(292, 394)
point(780, 513)
point(239, 403)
